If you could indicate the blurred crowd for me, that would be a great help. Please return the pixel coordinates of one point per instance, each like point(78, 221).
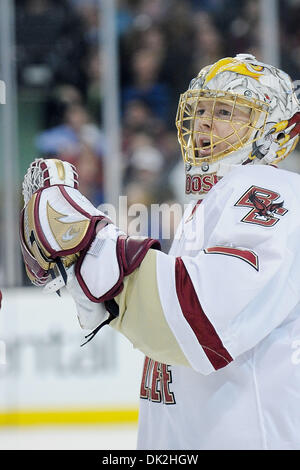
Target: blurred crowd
point(162, 45)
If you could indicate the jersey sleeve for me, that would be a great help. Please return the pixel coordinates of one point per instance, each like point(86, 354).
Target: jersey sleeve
point(206, 308)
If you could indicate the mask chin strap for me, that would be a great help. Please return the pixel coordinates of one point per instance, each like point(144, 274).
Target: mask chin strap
point(59, 278)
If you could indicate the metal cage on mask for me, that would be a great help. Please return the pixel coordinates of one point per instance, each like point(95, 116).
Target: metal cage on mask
point(212, 124)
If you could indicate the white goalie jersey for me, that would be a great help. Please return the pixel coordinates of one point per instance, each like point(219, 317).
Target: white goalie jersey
point(218, 319)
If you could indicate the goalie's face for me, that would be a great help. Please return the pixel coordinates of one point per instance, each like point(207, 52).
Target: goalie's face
point(219, 126)
point(212, 127)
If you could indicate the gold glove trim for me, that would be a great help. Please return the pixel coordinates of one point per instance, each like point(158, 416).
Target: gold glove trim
point(31, 237)
point(68, 235)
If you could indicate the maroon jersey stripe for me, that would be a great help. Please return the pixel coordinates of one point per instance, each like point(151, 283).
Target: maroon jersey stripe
point(246, 255)
point(198, 321)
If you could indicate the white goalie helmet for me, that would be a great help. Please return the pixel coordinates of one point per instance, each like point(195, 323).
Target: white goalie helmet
point(236, 111)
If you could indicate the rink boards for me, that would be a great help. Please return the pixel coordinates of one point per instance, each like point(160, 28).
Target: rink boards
point(47, 378)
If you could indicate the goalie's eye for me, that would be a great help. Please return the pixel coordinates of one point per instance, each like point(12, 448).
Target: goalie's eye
point(221, 112)
point(224, 112)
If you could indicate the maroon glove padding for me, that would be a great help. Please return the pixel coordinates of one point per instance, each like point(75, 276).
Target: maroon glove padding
point(130, 253)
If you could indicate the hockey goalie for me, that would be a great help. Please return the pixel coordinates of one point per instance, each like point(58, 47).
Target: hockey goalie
point(217, 317)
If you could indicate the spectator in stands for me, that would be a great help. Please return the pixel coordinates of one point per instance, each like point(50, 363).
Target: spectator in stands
point(90, 171)
point(64, 139)
point(93, 67)
point(207, 42)
point(78, 140)
point(138, 118)
point(145, 84)
point(50, 42)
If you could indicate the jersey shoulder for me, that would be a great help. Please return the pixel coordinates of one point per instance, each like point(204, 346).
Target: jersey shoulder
point(257, 177)
point(265, 175)
point(259, 195)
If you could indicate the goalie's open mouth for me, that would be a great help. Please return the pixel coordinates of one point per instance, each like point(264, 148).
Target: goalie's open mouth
point(205, 147)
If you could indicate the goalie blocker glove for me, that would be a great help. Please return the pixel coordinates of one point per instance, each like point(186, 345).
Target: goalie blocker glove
point(64, 237)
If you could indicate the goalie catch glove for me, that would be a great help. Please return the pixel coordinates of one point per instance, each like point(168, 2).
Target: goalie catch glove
point(65, 240)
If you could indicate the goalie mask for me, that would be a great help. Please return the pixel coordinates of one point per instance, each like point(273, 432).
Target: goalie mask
point(236, 111)
point(57, 221)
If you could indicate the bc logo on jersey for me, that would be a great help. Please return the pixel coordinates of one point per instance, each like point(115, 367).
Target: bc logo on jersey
point(263, 207)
